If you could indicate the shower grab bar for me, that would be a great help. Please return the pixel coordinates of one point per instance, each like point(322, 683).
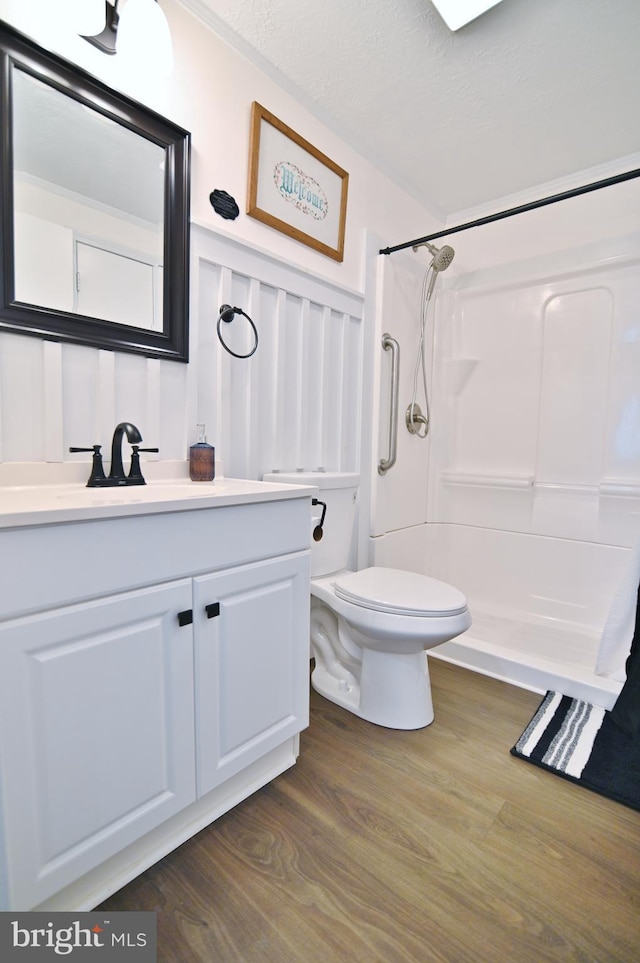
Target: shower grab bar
point(390, 344)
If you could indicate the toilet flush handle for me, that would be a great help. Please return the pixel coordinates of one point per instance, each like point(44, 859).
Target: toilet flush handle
point(318, 532)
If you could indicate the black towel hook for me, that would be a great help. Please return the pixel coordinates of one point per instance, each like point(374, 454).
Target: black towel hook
point(227, 314)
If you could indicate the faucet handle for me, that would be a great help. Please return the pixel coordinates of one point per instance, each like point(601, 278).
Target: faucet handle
point(97, 476)
point(135, 475)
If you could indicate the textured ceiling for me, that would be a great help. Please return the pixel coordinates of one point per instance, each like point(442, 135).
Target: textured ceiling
point(531, 92)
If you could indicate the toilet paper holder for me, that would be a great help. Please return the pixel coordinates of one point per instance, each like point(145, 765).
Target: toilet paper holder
point(318, 530)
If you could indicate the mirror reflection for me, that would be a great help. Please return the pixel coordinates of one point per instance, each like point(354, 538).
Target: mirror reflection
point(88, 210)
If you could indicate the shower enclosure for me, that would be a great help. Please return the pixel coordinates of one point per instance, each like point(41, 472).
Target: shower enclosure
point(526, 493)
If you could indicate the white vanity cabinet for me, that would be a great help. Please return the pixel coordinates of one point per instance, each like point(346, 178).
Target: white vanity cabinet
point(96, 720)
point(153, 672)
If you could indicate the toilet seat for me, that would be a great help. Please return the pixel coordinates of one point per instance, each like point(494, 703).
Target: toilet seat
point(400, 593)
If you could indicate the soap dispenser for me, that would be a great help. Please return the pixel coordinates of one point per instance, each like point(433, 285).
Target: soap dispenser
point(202, 459)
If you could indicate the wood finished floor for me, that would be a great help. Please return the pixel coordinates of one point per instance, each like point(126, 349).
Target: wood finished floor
point(434, 845)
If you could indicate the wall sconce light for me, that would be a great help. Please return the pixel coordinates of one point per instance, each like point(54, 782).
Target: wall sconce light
point(105, 39)
point(139, 31)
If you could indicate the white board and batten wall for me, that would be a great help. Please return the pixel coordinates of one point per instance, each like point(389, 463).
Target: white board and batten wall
point(294, 404)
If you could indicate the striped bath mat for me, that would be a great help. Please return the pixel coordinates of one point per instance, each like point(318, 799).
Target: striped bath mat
point(578, 741)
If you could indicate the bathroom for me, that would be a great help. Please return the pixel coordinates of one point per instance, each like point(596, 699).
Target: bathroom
point(550, 497)
point(531, 494)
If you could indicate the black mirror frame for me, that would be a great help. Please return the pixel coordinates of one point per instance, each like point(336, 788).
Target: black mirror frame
point(173, 342)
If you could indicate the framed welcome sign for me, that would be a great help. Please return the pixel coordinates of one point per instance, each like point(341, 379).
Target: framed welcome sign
point(294, 187)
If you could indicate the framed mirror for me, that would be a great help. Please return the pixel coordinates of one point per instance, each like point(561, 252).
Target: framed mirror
point(94, 210)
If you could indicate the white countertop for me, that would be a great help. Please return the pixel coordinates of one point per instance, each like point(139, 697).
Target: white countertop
point(28, 505)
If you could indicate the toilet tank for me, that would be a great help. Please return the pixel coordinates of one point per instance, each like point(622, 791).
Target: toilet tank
point(339, 490)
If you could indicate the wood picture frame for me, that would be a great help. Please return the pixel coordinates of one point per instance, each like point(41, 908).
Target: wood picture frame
point(295, 188)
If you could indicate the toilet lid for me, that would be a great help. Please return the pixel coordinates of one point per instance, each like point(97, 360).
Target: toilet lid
point(400, 593)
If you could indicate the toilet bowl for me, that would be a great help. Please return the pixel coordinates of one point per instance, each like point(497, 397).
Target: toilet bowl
point(370, 629)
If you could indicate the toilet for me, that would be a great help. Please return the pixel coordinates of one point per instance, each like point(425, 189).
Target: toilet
point(370, 629)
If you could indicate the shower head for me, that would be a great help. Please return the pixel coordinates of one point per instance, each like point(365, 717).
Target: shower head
point(442, 256)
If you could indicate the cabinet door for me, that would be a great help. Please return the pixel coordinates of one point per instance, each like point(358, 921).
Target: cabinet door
point(252, 664)
point(96, 733)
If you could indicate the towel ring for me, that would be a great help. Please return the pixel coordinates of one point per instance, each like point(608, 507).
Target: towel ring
point(227, 314)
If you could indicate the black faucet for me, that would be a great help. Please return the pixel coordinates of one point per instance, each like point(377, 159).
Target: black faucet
point(117, 475)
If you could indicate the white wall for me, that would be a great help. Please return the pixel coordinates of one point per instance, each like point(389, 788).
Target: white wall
point(53, 396)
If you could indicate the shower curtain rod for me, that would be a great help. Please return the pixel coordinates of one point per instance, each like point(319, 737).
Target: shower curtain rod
point(531, 206)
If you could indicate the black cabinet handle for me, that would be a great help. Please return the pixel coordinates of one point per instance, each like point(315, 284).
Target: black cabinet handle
point(212, 610)
point(186, 617)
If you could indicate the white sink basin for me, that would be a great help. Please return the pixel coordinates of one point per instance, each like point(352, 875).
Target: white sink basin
point(43, 504)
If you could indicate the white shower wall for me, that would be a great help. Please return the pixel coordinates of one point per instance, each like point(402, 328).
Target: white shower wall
point(534, 476)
